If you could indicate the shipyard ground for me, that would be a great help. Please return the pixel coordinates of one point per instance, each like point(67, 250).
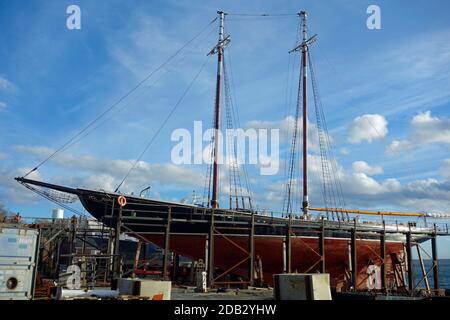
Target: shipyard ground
point(229, 294)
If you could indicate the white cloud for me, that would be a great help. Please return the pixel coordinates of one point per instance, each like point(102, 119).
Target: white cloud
point(344, 151)
point(431, 129)
point(363, 167)
point(427, 55)
point(408, 82)
point(426, 130)
point(106, 174)
point(3, 105)
point(397, 146)
point(419, 195)
point(368, 127)
point(6, 85)
point(445, 169)
point(14, 192)
point(361, 190)
point(286, 127)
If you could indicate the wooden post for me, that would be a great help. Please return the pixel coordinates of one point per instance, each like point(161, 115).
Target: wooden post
point(288, 245)
point(409, 263)
point(252, 252)
point(167, 245)
point(322, 247)
point(137, 255)
point(110, 249)
point(211, 251)
point(354, 258)
point(383, 259)
point(176, 263)
point(117, 244)
point(434, 253)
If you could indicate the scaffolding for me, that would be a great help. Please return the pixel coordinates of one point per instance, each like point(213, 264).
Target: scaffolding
point(223, 224)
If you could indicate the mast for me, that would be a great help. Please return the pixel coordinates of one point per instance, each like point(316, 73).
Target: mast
point(305, 202)
point(304, 47)
point(219, 50)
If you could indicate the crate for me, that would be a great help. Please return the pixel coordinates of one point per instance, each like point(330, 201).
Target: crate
point(18, 252)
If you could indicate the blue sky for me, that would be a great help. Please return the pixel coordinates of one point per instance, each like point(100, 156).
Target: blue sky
point(386, 94)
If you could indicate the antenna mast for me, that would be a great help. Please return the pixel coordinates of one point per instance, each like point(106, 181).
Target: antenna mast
point(219, 50)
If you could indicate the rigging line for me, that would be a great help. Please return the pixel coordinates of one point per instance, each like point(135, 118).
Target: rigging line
point(262, 14)
point(229, 79)
point(254, 19)
point(43, 194)
point(134, 99)
point(288, 102)
point(101, 115)
point(286, 132)
point(335, 179)
point(163, 123)
point(237, 121)
point(208, 174)
point(290, 80)
point(294, 145)
point(232, 121)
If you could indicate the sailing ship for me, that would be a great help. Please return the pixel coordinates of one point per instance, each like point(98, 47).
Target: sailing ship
point(230, 240)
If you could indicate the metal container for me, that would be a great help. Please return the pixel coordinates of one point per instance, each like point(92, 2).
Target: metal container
point(58, 214)
point(18, 252)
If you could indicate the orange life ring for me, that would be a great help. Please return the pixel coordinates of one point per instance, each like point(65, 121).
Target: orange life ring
point(122, 201)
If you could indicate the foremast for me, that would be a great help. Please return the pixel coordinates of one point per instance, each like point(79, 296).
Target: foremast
point(218, 49)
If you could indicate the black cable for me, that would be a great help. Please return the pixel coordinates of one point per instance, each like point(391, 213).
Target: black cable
point(162, 125)
point(120, 100)
point(138, 95)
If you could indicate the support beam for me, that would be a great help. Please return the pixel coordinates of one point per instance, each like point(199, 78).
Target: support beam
point(137, 255)
point(322, 248)
point(383, 259)
point(288, 246)
point(176, 263)
point(167, 245)
point(144, 249)
point(252, 252)
point(118, 229)
point(434, 253)
point(353, 258)
point(409, 263)
point(110, 249)
point(422, 268)
point(211, 251)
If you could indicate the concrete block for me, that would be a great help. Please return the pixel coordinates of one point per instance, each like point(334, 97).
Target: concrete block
point(145, 288)
point(306, 286)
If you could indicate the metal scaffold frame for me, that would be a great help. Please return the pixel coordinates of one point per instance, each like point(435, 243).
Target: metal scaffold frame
point(294, 230)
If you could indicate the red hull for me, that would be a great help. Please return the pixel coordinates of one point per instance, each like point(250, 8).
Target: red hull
point(270, 249)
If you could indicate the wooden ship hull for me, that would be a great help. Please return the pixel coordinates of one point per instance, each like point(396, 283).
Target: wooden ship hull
point(190, 227)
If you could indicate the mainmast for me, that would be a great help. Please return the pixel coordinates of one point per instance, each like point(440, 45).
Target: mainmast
point(219, 50)
point(304, 47)
point(305, 202)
